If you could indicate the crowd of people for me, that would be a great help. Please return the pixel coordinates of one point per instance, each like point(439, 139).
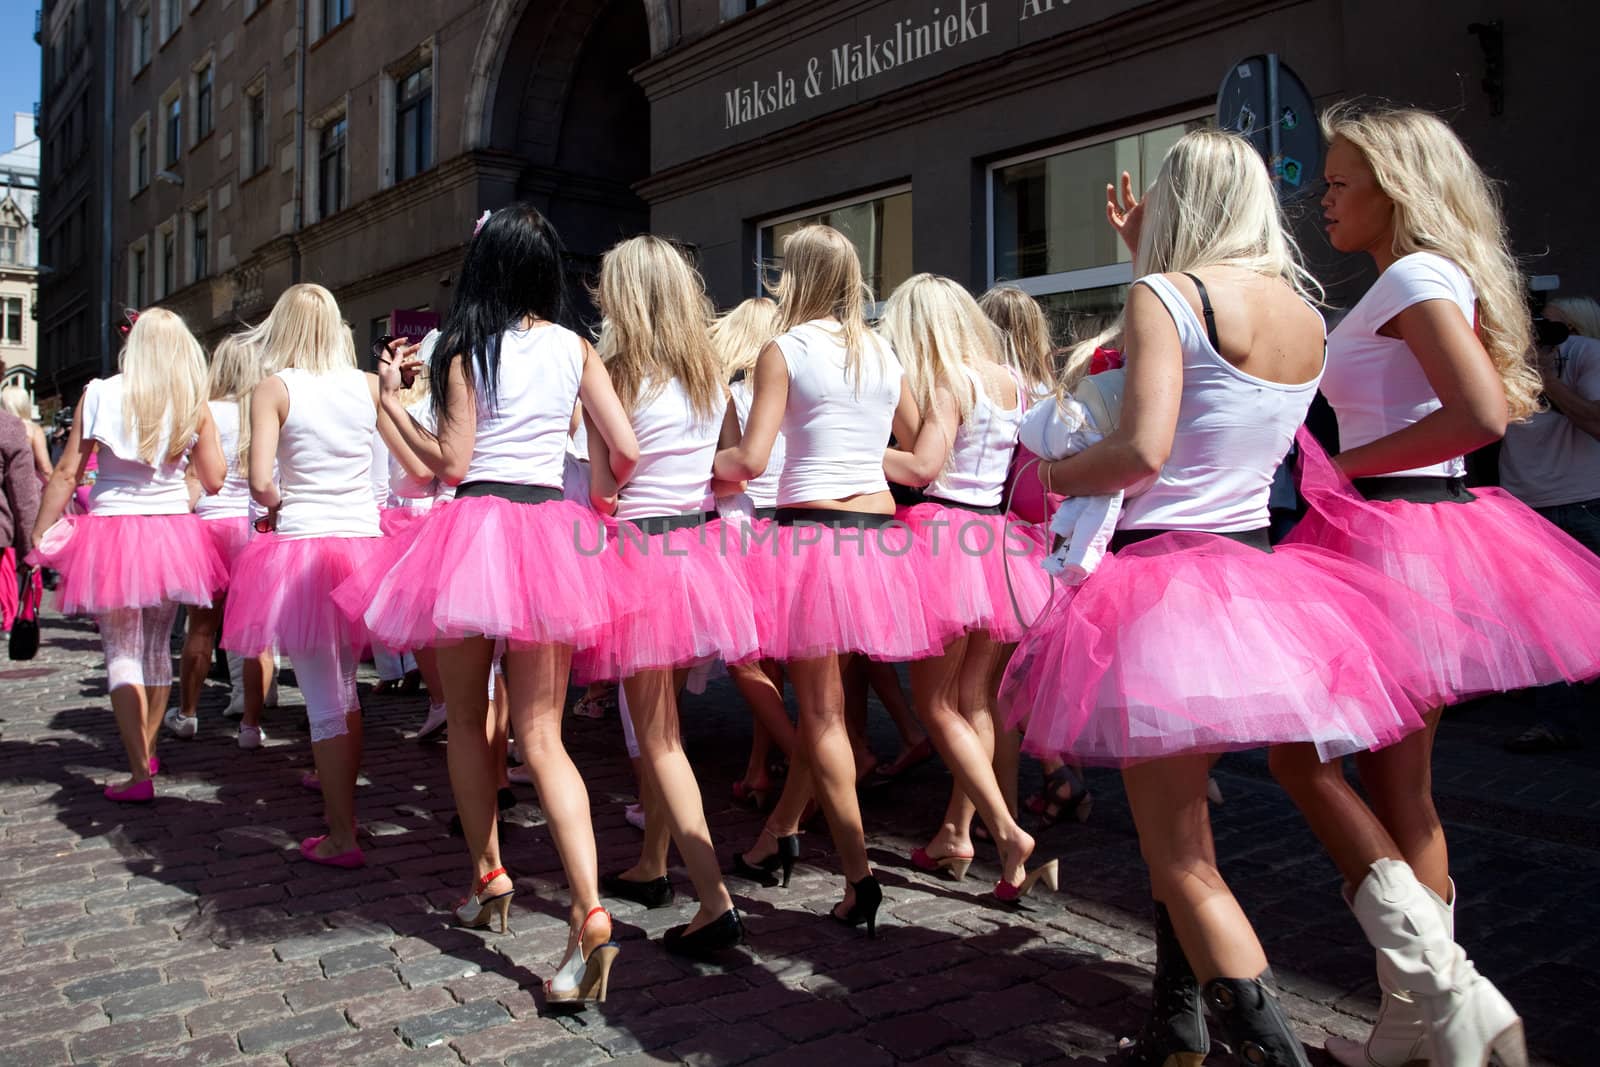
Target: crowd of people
point(1086, 573)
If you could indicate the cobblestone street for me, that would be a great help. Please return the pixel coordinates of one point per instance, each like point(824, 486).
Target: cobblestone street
point(190, 932)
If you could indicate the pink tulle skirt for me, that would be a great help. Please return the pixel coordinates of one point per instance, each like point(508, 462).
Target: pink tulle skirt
point(828, 591)
point(978, 572)
point(400, 522)
point(1527, 594)
point(1195, 643)
point(130, 561)
point(229, 537)
point(281, 596)
point(485, 566)
point(683, 596)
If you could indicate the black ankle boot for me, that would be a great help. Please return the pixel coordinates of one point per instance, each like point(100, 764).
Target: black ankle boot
point(1174, 1034)
point(1258, 1031)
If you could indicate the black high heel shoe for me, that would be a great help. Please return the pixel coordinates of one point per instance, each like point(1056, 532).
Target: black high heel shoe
point(720, 934)
point(781, 861)
point(865, 909)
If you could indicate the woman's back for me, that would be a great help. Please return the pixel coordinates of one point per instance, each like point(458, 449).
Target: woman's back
point(325, 455)
point(523, 438)
point(124, 484)
point(834, 428)
point(676, 449)
point(1240, 406)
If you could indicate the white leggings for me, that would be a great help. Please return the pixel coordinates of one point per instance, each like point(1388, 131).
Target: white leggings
point(138, 645)
point(328, 683)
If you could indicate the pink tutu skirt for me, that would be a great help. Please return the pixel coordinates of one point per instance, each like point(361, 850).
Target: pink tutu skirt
point(281, 596)
point(402, 521)
point(684, 598)
point(828, 591)
point(131, 561)
point(979, 572)
point(1190, 642)
point(485, 566)
point(229, 537)
point(1520, 598)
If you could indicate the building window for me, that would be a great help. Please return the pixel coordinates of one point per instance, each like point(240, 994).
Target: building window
point(173, 130)
point(13, 320)
point(252, 6)
point(879, 227)
point(10, 239)
point(203, 79)
point(141, 39)
point(331, 192)
point(334, 12)
point(139, 156)
point(199, 243)
point(413, 123)
point(171, 18)
point(169, 262)
point(255, 133)
point(139, 276)
point(732, 9)
point(1048, 229)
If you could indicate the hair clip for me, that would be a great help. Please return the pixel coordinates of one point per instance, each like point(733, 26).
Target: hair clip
point(481, 220)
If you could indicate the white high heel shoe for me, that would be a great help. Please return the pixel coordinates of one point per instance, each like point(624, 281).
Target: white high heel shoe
point(583, 979)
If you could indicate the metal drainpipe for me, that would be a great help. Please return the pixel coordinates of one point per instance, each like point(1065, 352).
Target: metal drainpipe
point(299, 139)
point(107, 179)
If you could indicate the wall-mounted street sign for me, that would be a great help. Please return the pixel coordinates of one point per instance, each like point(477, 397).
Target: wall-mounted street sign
point(1265, 101)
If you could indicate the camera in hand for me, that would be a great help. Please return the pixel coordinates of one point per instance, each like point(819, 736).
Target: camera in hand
point(1548, 333)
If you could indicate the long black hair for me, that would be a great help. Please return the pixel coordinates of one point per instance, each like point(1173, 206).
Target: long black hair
point(512, 269)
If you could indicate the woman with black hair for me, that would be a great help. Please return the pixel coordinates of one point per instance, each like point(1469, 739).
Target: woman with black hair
point(509, 559)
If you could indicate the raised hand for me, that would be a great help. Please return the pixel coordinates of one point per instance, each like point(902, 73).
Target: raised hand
point(1126, 214)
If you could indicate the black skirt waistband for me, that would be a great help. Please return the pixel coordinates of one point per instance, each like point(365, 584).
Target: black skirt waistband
point(1416, 488)
point(976, 509)
point(1253, 538)
point(766, 513)
point(851, 520)
point(660, 524)
point(517, 494)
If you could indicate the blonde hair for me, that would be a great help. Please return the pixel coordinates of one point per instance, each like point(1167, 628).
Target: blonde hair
point(822, 280)
point(305, 331)
point(236, 370)
point(1212, 205)
point(938, 330)
point(1024, 334)
point(15, 399)
point(163, 386)
point(1581, 313)
point(657, 326)
point(1445, 204)
point(741, 334)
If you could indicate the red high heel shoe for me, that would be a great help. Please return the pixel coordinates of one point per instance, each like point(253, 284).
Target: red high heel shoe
point(582, 978)
point(1048, 873)
point(956, 865)
point(477, 910)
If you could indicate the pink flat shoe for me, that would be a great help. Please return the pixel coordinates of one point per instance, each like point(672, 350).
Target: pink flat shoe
point(136, 793)
point(309, 780)
point(155, 765)
point(348, 860)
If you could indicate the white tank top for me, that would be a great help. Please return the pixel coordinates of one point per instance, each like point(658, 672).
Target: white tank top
point(1233, 431)
point(980, 458)
point(232, 501)
point(125, 484)
point(325, 456)
point(763, 491)
point(835, 430)
point(405, 490)
point(524, 440)
point(1374, 383)
point(676, 449)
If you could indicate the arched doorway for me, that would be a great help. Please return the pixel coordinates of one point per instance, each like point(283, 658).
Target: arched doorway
point(565, 103)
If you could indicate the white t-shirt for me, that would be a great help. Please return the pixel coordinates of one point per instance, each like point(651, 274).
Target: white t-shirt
point(232, 501)
point(124, 484)
point(763, 491)
point(1548, 460)
point(1374, 383)
point(980, 456)
point(835, 428)
point(523, 441)
point(325, 456)
point(676, 450)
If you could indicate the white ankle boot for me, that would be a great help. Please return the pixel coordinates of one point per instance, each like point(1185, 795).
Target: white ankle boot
point(1466, 1017)
point(1400, 1036)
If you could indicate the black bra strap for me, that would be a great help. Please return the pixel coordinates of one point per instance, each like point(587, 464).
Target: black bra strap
point(1205, 306)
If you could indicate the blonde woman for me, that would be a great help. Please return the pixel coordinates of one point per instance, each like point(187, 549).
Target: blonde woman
point(509, 559)
point(983, 583)
point(15, 399)
point(1430, 364)
point(235, 372)
point(841, 580)
point(139, 552)
point(1024, 337)
point(738, 338)
point(1192, 637)
point(311, 425)
point(687, 598)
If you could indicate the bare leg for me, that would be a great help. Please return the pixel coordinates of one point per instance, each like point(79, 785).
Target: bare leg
point(1168, 798)
point(499, 727)
point(1007, 742)
point(127, 704)
point(1349, 831)
point(819, 687)
point(1399, 784)
point(428, 663)
point(258, 672)
point(855, 682)
point(464, 674)
point(653, 704)
point(657, 831)
point(761, 685)
point(886, 683)
point(199, 644)
point(338, 761)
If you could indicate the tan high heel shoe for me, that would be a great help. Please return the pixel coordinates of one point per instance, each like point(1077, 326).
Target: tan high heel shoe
point(956, 865)
point(477, 910)
point(1048, 873)
point(583, 979)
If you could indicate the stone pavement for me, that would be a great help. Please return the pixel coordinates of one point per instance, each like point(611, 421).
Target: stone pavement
point(190, 932)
